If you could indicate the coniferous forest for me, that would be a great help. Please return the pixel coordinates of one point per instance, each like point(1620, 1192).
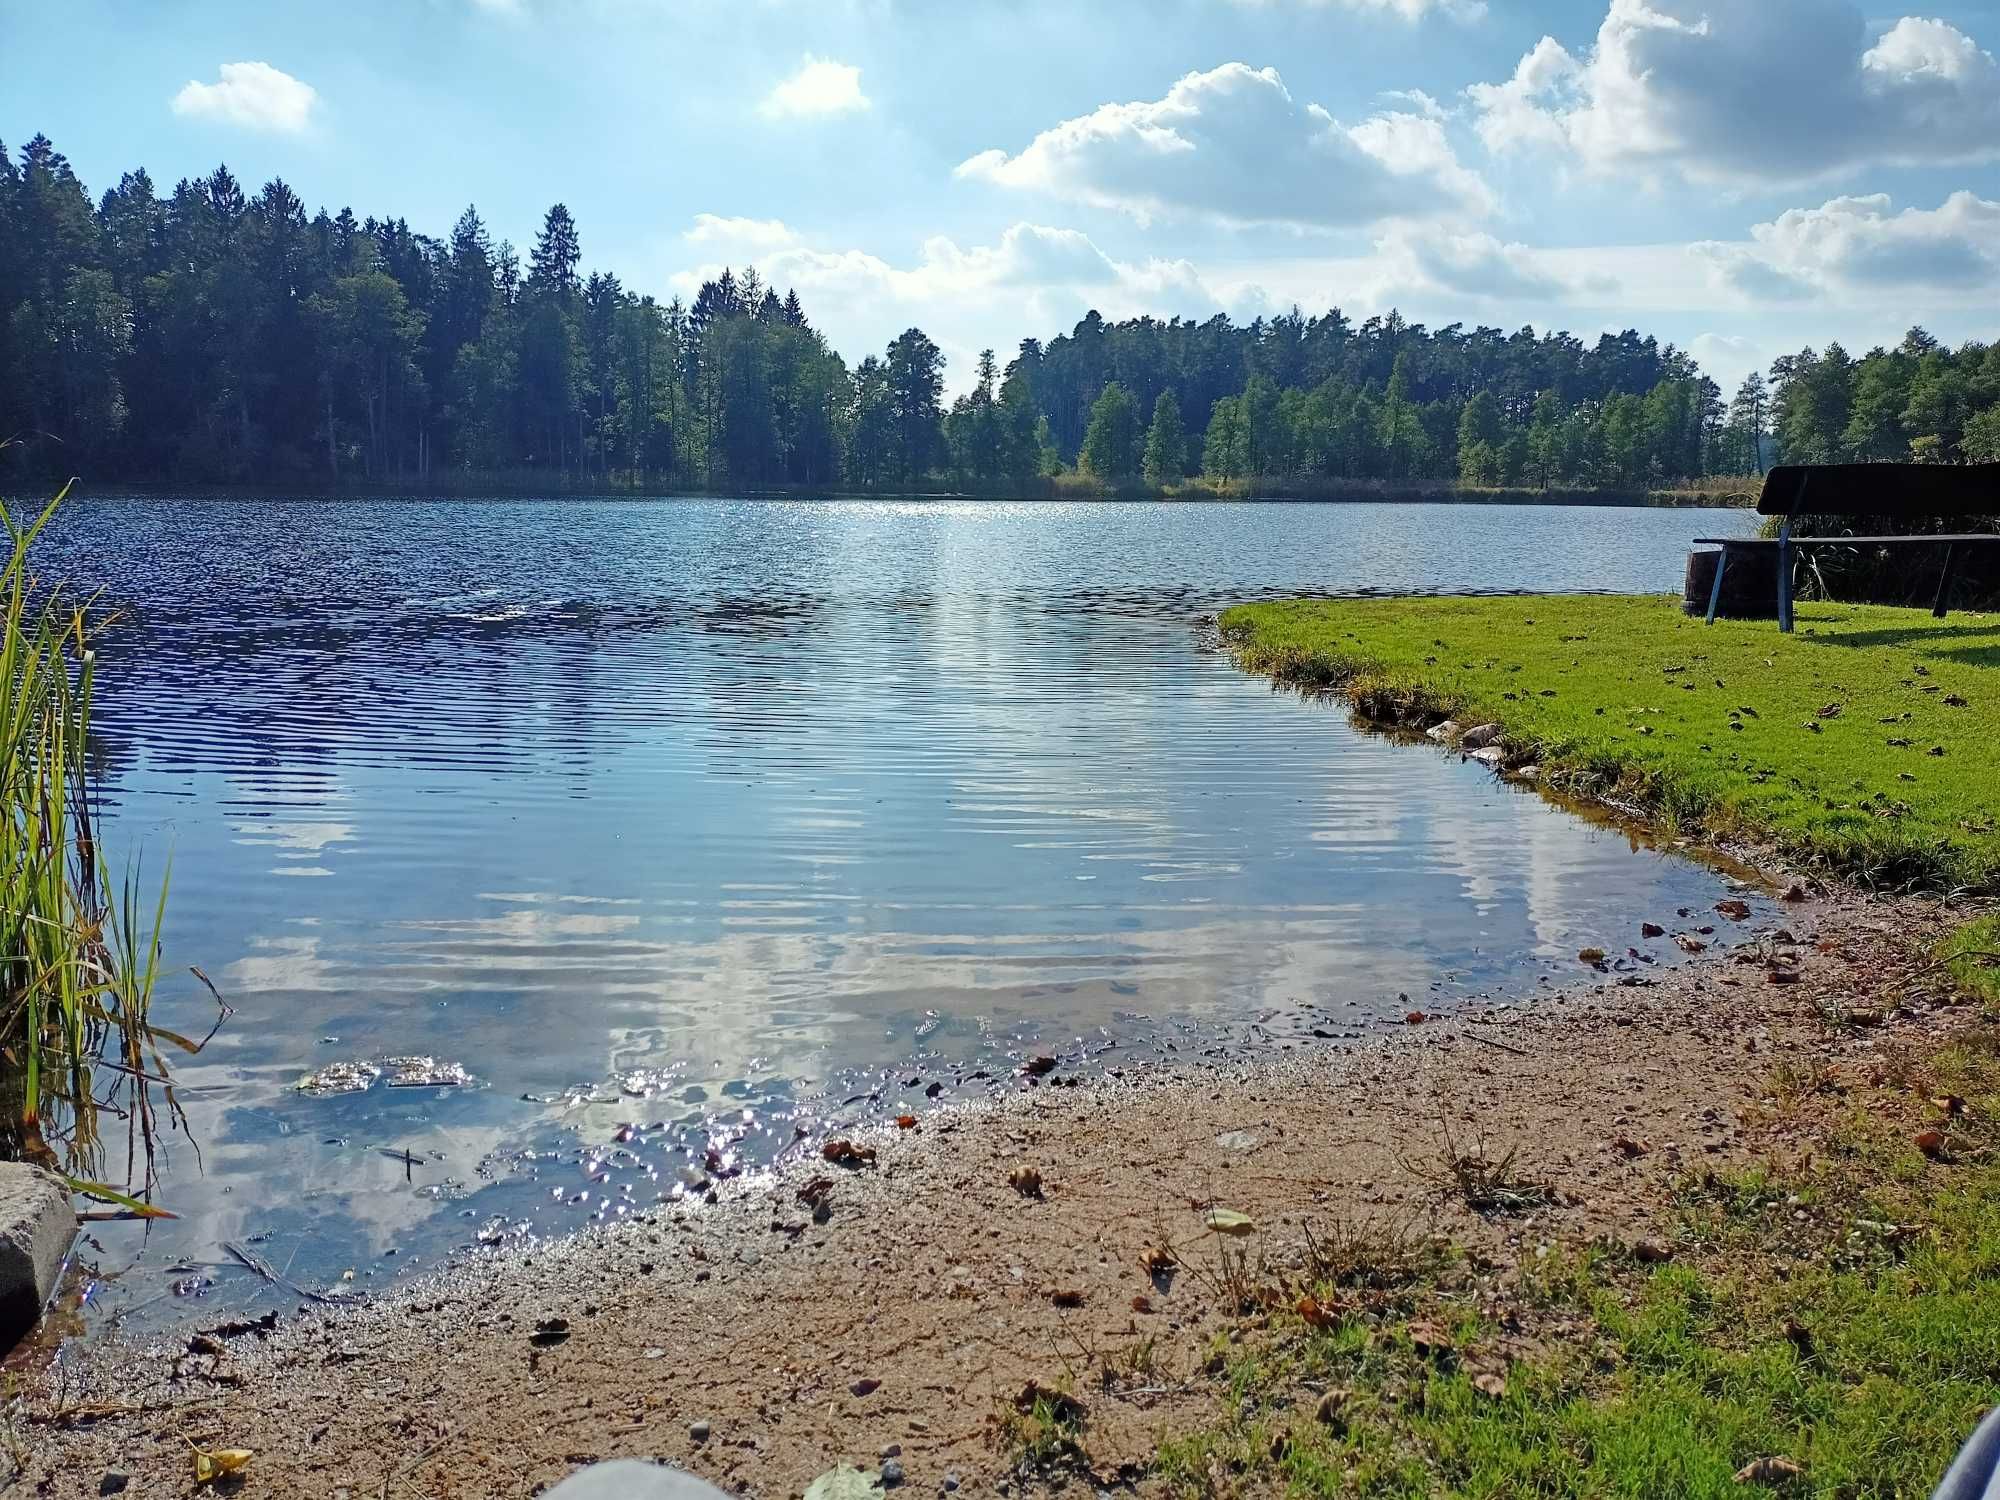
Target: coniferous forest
point(211, 336)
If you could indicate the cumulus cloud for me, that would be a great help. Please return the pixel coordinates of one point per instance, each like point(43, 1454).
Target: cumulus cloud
point(251, 94)
point(1470, 265)
point(819, 87)
point(1771, 92)
point(747, 234)
point(1026, 256)
point(1861, 245)
point(1232, 145)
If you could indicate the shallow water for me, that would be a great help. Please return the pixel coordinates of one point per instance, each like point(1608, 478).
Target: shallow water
point(700, 817)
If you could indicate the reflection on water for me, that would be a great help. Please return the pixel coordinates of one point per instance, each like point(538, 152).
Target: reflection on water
point(673, 820)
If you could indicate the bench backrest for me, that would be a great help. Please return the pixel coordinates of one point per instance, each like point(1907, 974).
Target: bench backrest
point(1881, 490)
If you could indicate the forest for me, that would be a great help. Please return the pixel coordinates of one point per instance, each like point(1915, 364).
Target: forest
point(211, 337)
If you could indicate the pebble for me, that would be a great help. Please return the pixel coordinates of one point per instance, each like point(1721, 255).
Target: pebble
point(892, 1474)
point(950, 1482)
point(893, 1450)
point(699, 1430)
point(113, 1482)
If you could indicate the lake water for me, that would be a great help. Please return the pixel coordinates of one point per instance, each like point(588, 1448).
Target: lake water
point(676, 822)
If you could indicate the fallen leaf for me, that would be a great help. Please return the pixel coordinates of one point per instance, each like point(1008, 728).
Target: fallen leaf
point(1228, 1221)
point(906, 1122)
point(1773, 1470)
point(211, 1464)
point(1142, 1304)
point(1316, 1314)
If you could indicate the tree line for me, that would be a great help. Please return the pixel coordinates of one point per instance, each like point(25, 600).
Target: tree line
point(211, 336)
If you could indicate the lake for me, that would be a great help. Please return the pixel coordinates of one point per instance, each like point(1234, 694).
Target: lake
point(677, 822)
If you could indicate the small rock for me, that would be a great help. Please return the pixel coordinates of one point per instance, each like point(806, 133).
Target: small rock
point(892, 1450)
point(699, 1431)
point(865, 1386)
point(950, 1483)
point(1444, 733)
point(113, 1482)
point(1489, 755)
point(1482, 737)
point(892, 1474)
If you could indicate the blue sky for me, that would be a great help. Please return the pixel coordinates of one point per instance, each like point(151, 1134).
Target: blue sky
point(1743, 177)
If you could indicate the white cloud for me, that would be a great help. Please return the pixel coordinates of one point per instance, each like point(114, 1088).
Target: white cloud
point(819, 87)
point(1027, 256)
point(1773, 91)
point(1472, 265)
point(1408, 10)
point(1233, 146)
point(743, 234)
point(1860, 246)
point(252, 94)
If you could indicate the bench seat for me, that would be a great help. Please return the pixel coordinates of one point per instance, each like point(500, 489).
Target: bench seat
point(1863, 490)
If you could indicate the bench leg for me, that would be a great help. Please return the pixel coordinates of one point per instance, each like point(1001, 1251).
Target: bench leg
point(1944, 582)
point(1715, 589)
point(1784, 586)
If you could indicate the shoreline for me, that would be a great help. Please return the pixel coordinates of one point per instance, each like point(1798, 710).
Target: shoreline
point(557, 490)
point(933, 1292)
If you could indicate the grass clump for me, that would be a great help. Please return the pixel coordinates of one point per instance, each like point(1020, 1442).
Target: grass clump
point(78, 965)
point(1973, 955)
point(1863, 744)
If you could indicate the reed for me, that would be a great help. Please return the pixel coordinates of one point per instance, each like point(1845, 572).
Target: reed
point(79, 953)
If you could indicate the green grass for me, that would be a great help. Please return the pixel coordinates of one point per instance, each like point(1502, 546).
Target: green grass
point(1803, 1328)
point(77, 967)
point(1974, 954)
point(1730, 730)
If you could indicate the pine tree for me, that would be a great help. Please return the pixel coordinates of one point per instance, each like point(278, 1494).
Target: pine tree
point(1111, 442)
point(1166, 443)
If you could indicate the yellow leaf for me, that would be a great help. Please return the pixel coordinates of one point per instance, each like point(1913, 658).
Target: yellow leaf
point(212, 1464)
point(1229, 1221)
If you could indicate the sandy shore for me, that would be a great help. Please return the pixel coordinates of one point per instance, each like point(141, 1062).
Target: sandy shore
point(931, 1291)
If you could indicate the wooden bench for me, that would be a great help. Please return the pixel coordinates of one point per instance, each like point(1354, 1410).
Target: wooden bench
point(1897, 490)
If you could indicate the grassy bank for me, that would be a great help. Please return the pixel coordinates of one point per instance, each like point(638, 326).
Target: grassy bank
point(1864, 744)
point(1827, 1323)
